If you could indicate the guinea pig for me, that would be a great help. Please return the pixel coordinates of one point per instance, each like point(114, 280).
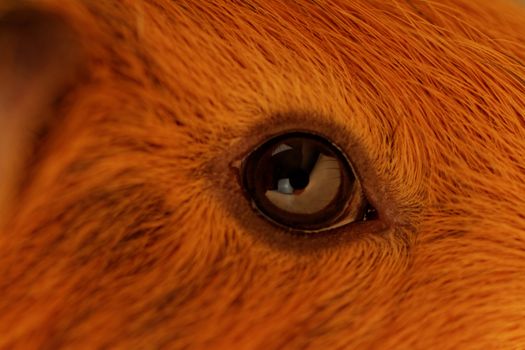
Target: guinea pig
point(262, 174)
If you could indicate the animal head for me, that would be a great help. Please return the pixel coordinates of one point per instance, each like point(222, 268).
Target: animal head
point(125, 218)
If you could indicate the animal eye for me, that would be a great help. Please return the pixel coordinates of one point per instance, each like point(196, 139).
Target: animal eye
point(304, 182)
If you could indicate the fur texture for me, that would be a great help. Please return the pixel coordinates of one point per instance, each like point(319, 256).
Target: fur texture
point(129, 228)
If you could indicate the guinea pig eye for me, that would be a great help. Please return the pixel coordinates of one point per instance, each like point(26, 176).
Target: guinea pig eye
point(304, 182)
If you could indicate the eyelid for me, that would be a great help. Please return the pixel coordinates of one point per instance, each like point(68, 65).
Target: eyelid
point(222, 172)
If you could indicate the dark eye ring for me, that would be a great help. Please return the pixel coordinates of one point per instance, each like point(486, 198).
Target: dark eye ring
point(304, 182)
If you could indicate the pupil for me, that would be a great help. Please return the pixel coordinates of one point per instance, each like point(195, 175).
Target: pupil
point(299, 179)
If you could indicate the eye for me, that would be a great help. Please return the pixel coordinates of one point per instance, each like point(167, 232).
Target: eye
point(304, 182)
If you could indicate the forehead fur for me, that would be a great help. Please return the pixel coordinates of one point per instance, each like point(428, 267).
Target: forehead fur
point(132, 229)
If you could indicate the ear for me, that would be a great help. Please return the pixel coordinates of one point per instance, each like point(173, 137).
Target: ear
point(39, 58)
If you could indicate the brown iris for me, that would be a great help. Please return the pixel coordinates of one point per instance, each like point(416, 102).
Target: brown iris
point(304, 182)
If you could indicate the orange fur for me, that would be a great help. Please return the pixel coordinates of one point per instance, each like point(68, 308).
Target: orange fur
point(131, 231)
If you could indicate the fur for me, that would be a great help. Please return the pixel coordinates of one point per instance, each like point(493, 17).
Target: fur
point(128, 227)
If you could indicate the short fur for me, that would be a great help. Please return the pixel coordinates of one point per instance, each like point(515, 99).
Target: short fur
point(128, 227)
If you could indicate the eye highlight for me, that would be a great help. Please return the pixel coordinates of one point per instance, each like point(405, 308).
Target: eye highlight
point(304, 182)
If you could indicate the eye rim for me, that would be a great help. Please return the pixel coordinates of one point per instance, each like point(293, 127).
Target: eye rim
point(396, 215)
point(368, 211)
